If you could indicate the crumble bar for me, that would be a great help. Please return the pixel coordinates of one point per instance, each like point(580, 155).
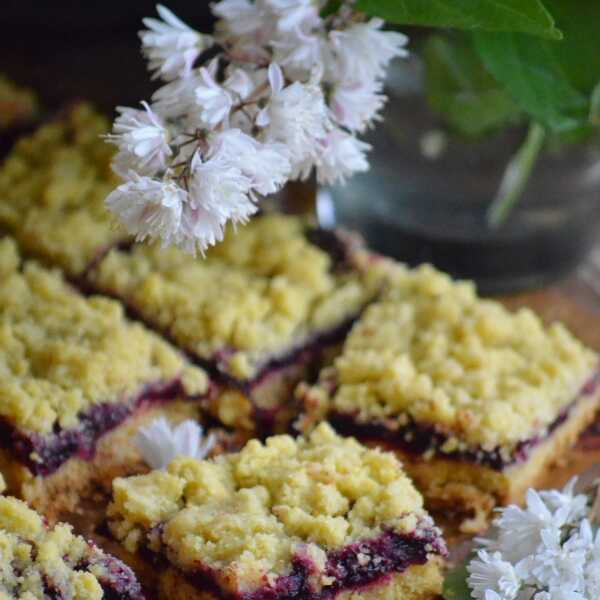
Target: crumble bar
point(78, 379)
point(477, 401)
point(37, 561)
point(53, 186)
point(321, 517)
point(258, 312)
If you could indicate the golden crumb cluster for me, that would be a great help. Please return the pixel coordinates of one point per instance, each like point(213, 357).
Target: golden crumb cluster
point(61, 353)
point(264, 289)
point(249, 513)
point(431, 349)
point(33, 557)
point(53, 186)
point(17, 105)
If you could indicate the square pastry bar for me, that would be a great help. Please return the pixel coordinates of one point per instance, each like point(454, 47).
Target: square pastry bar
point(76, 381)
point(39, 562)
point(477, 401)
point(53, 185)
point(259, 312)
point(322, 517)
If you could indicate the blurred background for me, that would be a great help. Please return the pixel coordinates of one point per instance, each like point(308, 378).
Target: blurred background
point(71, 49)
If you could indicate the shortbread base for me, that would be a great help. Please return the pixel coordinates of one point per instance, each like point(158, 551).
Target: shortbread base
point(266, 409)
point(472, 491)
point(269, 406)
point(418, 582)
point(116, 456)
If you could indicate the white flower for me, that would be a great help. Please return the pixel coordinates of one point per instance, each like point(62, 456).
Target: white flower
point(178, 98)
point(342, 155)
point(293, 15)
point(218, 192)
point(222, 189)
point(143, 141)
point(491, 572)
point(214, 101)
point(492, 595)
point(200, 229)
point(550, 549)
point(296, 116)
point(364, 51)
point(170, 46)
point(299, 53)
point(559, 593)
point(160, 443)
point(240, 17)
point(356, 105)
point(592, 569)
point(245, 28)
point(148, 208)
point(214, 140)
point(575, 505)
point(519, 531)
point(556, 563)
point(266, 165)
point(239, 82)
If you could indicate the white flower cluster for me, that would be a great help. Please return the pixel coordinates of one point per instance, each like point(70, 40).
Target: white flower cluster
point(280, 90)
point(549, 550)
point(160, 443)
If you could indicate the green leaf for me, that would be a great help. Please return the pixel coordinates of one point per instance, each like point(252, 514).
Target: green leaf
point(523, 16)
point(532, 74)
point(579, 53)
point(552, 81)
point(331, 8)
point(461, 91)
point(455, 585)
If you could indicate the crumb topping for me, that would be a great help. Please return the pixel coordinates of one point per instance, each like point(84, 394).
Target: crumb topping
point(62, 353)
point(53, 186)
point(249, 513)
point(265, 287)
point(17, 104)
point(431, 350)
point(35, 560)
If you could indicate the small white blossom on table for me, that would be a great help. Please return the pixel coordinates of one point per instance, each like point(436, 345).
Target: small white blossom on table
point(280, 90)
point(160, 442)
point(549, 550)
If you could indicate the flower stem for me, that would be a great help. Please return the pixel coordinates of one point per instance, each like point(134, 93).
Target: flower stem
point(516, 176)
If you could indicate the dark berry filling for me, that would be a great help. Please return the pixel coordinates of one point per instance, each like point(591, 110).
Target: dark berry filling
point(119, 581)
point(307, 352)
point(340, 245)
point(43, 454)
point(358, 565)
point(417, 438)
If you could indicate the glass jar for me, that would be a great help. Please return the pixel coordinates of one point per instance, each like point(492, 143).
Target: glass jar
point(428, 193)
